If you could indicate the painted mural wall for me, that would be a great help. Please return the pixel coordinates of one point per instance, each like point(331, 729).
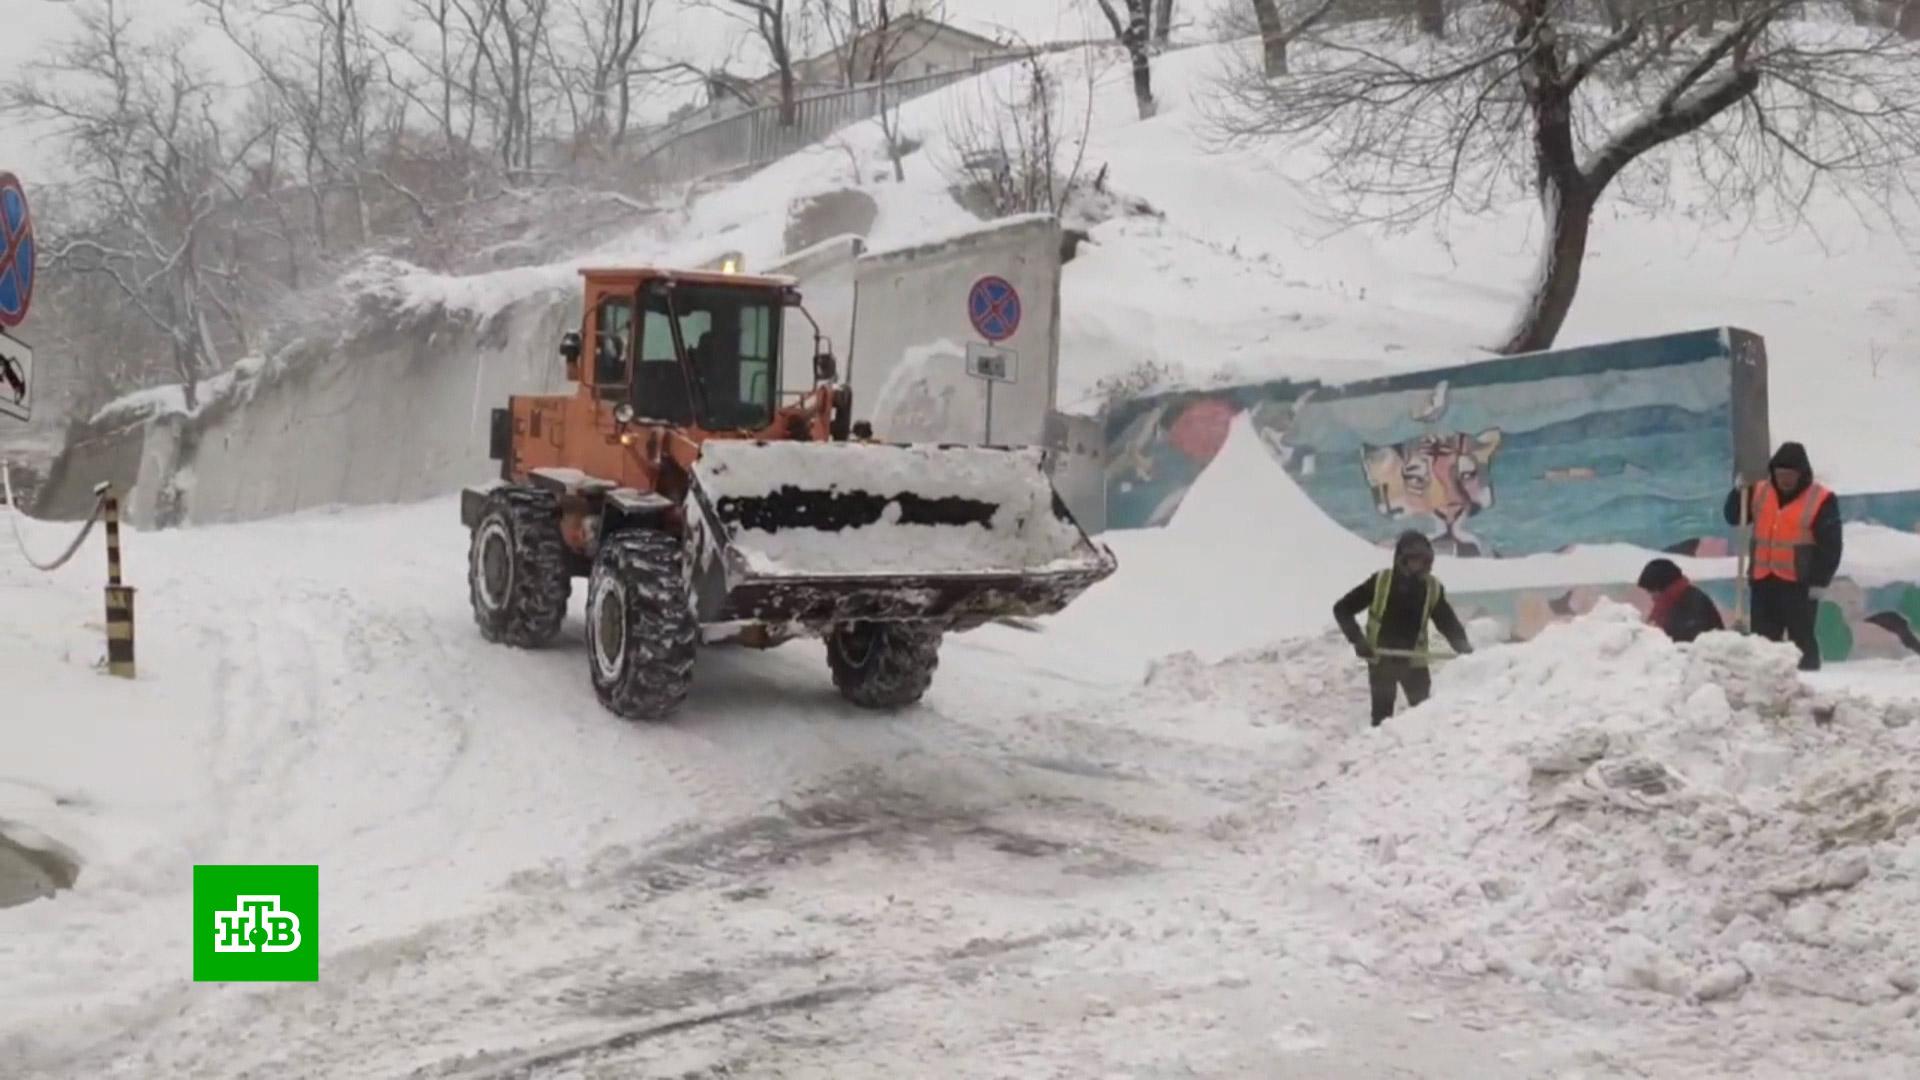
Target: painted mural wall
point(1631, 442)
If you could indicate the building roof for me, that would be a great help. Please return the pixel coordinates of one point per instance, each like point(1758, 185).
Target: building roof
point(899, 25)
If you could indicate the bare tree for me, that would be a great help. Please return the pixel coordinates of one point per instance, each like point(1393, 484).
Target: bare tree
point(778, 30)
point(324, 88)
point(609, 33)
point(1771, 101)
point(1132, 33)
point(1276, 28)
point(1162, 23)
point(1901, 15)
point(1012, 151)
point(163, 169)
point(872, 40)
point(441, 74)
point(508, 41)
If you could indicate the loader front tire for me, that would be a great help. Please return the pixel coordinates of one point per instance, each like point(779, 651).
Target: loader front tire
point(517, 578)
point(641, 628)
point(883, 665)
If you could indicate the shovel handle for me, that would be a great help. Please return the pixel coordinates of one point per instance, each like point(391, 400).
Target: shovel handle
point(1410, 654)
point(1741, 553)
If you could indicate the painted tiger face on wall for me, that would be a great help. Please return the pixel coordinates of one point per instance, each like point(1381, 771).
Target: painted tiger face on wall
point(1448, 478)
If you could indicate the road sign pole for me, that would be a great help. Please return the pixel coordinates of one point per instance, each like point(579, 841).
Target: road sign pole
point(989, 436)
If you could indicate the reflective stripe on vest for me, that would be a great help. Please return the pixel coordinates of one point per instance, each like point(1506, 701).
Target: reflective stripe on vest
point(1377, 612)
point(1778, 534)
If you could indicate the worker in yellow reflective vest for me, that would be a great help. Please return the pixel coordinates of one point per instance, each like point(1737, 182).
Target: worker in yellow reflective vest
point(1795, 550)
point(1400, 602)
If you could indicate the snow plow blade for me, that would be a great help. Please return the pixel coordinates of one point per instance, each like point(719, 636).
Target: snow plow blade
point(822, 533)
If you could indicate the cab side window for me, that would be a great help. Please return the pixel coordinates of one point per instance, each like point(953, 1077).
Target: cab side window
point(756, 357)
point(659, 382)
point(613, 334)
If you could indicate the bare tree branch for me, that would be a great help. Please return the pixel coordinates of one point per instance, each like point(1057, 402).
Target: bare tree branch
point(1768, 99)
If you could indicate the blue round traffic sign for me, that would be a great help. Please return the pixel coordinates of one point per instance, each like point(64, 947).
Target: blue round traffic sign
point(16, 252)
point(993, 306)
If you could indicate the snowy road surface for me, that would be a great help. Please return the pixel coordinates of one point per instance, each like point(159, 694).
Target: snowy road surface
point(1041, 872)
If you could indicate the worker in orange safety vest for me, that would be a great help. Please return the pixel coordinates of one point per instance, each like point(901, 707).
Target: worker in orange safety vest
point(1795, 549)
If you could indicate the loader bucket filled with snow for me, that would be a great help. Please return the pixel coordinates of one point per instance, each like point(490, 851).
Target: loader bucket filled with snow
point(821, 533)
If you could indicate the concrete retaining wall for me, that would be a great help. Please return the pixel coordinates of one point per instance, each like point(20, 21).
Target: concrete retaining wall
point(391, 417)
point(399, 411)
point(91, 455)
point(912, 330)
point(826, 272)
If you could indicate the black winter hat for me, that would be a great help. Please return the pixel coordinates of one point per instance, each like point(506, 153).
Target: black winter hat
point(1658, 574)
point(1412, 541)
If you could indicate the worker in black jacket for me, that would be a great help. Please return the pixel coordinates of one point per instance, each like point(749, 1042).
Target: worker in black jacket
point(1400, 602)
point(1795, 549)
point(1679, 607)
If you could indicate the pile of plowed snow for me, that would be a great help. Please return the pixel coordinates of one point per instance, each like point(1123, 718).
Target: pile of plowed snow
point(1599, 807)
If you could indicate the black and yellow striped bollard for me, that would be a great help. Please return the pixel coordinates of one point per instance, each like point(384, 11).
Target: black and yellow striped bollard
point(119, 597)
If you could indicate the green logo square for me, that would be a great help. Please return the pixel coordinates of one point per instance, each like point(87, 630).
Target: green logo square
point(256, 924)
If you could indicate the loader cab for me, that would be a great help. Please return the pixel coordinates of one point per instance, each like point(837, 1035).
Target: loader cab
point(687, 349)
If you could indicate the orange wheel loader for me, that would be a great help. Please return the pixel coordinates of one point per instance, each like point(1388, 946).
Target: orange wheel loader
point(702, 508)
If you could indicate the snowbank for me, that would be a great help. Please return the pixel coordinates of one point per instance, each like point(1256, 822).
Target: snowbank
point(1247, 559)
point(1598, 808)
point(1877, 555)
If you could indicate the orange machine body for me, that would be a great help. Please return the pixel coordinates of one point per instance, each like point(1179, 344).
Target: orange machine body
point(651, 451)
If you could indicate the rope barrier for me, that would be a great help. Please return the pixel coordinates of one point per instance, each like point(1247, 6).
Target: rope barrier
point(6, 480)
point(119, 596)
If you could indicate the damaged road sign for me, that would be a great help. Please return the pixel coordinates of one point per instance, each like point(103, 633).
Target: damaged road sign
point(16, 378)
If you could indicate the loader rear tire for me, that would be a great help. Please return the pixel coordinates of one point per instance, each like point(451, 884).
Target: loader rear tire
point(641, 628)
point(883, 665)
point(517, 578)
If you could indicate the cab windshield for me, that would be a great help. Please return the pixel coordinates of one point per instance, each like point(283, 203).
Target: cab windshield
point(729, 334)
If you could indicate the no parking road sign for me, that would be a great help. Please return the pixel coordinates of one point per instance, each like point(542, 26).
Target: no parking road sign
point(16, 252)
point(993, 306)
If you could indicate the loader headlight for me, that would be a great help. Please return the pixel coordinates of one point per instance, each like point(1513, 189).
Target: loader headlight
point(623, 413)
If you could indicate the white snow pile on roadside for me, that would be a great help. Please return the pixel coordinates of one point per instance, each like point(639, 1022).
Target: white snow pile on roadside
point(1599, 808)
point(1024, 533)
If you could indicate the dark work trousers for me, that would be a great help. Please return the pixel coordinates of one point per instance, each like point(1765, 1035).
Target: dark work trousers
point(1386, 677)
point(1785, 609)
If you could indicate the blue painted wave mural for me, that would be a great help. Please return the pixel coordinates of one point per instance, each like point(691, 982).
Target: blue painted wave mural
point(1632, 442)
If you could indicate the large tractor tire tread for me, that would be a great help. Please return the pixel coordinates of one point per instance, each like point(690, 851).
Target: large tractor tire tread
point(642, 633)
point(517, 576)
point(883, 665)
